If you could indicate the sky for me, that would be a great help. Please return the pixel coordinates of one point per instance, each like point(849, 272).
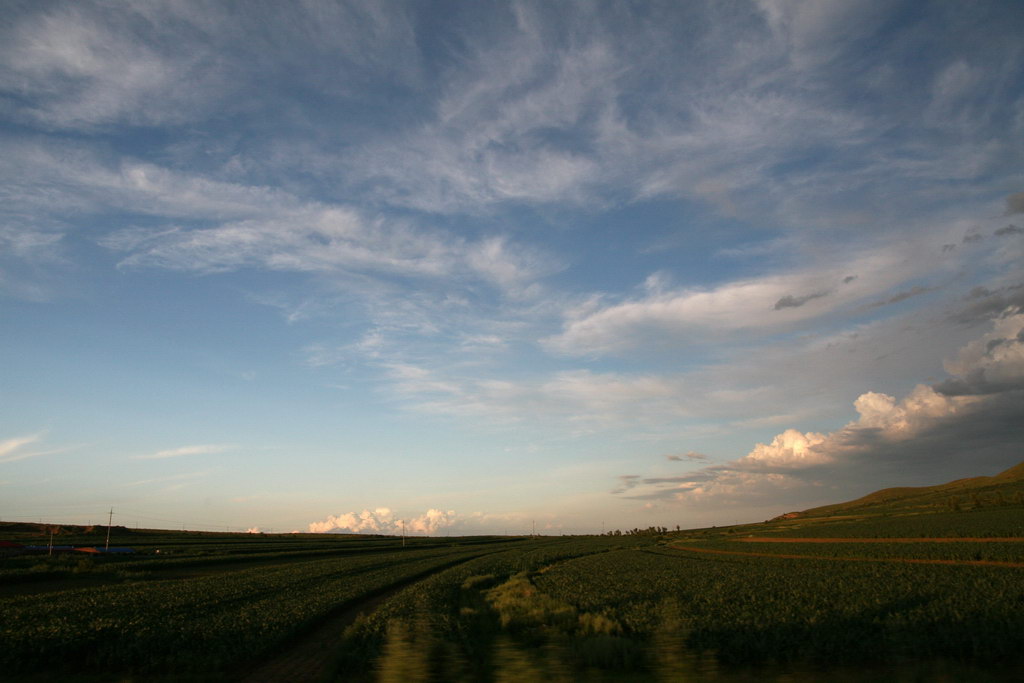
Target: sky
point(475, 267)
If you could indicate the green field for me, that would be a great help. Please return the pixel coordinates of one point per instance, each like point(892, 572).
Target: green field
point(897, 590)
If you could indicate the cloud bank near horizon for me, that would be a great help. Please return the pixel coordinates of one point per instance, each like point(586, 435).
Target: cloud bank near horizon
point(958, 427)
point(383, 520)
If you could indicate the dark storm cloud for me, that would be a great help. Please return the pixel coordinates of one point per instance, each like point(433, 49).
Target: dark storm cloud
point(662, 494)
point(983, 440)
point(981, 380)
point(975, 384)
point(691, 455)
point(1015, 203)
point(1009, 230)
point(790, 301)
point(903, 296)
point(983, 303)
point(626, 482)
point(693, 477)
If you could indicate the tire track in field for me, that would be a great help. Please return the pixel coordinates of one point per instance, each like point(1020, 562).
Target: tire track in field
point(311, 658)
point(897, 560)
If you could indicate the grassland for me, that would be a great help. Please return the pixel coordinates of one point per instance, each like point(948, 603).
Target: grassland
point(906, 587)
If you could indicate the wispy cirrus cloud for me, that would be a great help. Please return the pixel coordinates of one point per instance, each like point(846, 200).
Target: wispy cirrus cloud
point(211, 226)
point(584, 399)
point(201, 449)
point(758, 305)
point(107, 72)
point(14, 449)
point(173, 481)
point(539, 108)
point(529, 119)
point(9, 447)
point(740, 379)
point(86, 65)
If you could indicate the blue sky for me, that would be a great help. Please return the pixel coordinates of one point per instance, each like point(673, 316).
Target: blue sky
point(330, 266)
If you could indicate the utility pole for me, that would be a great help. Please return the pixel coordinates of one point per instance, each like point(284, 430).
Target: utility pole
point(403, 533)
point(535, 528)
point(51, 540)
point(110, 520)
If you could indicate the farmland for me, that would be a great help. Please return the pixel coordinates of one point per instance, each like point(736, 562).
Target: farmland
point(902, 591)
point(647, 608)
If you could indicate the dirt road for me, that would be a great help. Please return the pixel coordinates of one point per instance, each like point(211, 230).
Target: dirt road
point(311, 658)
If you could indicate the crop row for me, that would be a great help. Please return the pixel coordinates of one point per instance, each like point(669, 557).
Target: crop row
point(205, 623)
point(36, 568)
point(758, 609)
point(1006, 551)
point(449, 608)
point(439, 593)
point(978, 523)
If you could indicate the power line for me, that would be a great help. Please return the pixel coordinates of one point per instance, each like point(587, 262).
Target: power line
point(110, 520)
point(130, 515)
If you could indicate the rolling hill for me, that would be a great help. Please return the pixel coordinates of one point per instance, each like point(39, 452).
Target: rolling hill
point(1001, 490)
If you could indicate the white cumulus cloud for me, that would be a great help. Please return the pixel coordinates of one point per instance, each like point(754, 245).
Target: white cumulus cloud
point(383, 520)
point(790, 448)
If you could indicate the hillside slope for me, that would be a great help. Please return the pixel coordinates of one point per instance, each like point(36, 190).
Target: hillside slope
point(1003, 489)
